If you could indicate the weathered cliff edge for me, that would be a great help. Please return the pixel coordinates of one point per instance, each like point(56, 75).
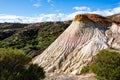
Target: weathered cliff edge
point(76, 46)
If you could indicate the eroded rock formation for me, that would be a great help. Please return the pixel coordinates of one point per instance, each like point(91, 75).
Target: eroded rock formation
point(76, 46)
point(116, 18)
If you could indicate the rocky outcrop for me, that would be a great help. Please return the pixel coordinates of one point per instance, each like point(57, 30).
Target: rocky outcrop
point(76, 46)
point(103, 21)
point(116, 18)
point(113, 35)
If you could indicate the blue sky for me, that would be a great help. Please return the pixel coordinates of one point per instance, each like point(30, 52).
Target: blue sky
point(53, 10)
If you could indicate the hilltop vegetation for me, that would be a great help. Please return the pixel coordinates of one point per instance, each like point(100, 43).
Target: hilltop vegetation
point(32, 38)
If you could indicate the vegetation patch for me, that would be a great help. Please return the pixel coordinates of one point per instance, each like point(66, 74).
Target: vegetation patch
point(106, 65)
point(31, 38)
point(14, 66)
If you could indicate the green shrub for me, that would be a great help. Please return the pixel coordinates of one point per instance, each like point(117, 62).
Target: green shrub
point(85, 70)
point(34, 72)
point(106, 65)
point(14, 66)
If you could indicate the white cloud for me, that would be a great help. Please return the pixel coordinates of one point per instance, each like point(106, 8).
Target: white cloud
point(56, 17)
point(105, 12)
point(36, 5)
point(40, 18)
point(83, 8)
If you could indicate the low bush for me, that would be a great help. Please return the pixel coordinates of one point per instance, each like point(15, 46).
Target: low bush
point(106, 65)
point(14, 66)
